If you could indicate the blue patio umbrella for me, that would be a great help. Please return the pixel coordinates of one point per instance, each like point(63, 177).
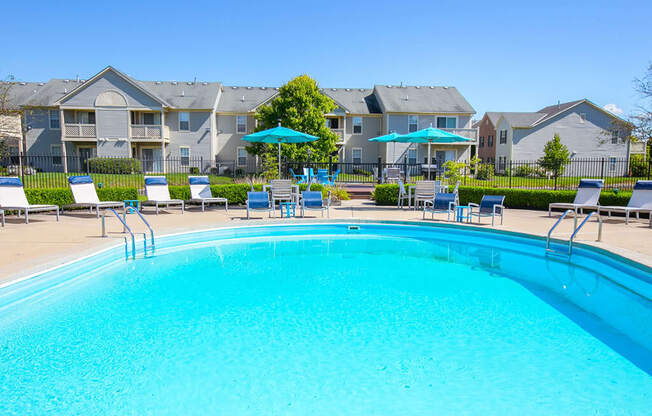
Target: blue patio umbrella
point(391, 137)
point(279, 135)
point(431, 135)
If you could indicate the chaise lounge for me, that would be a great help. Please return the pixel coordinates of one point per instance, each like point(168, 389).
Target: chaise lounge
point(12, 198)
point(84, 194)
point(588, 194)
point(156, 188)
point(640, 201)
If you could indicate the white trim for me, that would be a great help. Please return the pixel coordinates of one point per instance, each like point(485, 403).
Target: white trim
point(57, 112)
point(237, 125)
point(237, 156)
point(179, 121)
point(353, 149)
point(353, 125)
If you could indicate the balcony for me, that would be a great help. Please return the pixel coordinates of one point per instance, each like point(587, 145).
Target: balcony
point(149, 132)
point(637, 147)
point(470, 133)
point(340, 135)
point(72, 130)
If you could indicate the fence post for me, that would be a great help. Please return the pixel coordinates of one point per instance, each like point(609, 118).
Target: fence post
point(556, 174)
point(380, 170)
point(510, 173)
point(649, 164)
point(330, 164)
point(22, 170)
point(602, 169)
point(201, 164)
point(405, 170)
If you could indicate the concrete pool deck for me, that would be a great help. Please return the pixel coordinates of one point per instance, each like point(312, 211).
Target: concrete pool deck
point(45, 243)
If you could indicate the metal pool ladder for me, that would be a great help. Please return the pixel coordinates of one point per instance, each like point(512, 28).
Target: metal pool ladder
point(576, 230)
point(126, 228)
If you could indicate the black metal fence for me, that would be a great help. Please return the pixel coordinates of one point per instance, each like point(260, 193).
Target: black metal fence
point(51, 171)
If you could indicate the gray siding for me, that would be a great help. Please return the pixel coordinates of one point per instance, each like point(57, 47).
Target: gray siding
point(371, 127)
point(198, 138)
point(40, 136)
point(111, 82)
point(228, 140)
point(113, 148)
point(112, 123)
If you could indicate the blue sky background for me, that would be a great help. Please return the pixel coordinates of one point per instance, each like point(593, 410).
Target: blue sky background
point(502, 56)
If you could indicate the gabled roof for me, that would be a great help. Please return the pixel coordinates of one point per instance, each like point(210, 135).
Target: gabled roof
point(521, 119)
point(20, 92)
point(49, 94)
point(354, 100)
point(552, 110)
point(427, 99)
point(244, 99)
point(185, 95)
point(126, 77)
point(493, 116)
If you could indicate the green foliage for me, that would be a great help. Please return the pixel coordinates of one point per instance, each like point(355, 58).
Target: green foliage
point(485, 171)
point(360, 171)
point(63, 196)
point(299, 106)
point(537, 199)
point(638, 166)
point(556, 156)
point(270, 165)
point(337, 193)
point(194, 170)
point(454, 171)
point(4, 149)
point(113, 165)
point(527, 171)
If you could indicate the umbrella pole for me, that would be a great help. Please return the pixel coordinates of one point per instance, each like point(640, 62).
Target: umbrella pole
point(279, 159)
point(428, 161)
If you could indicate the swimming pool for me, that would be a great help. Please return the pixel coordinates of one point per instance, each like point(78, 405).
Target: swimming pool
point(323, 319)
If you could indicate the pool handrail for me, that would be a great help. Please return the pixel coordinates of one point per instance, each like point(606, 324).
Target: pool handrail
point(555, 226)
point(570, 241)
point(151, 231)
point(125, 227)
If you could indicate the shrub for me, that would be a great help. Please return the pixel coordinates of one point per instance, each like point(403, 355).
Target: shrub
point(360, 171)
point(63, 196)
point(514, 198)
point(113, 165)
point(637, 166)
point(337, 193)
point(194, 170)
point(528, 171)
point(454, 171)
point(485, 172)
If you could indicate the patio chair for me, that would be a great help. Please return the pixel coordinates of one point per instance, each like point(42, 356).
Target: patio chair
point(402, 194)
point(282, 191)
point(156, 189)
point(442, 203)
point(490, 206)
point(308, 173)
point(200, 192)
point(456, 190)
point(588, 193)
point(259, 201)
point(312, 200)
point(423, 191)
point(640, 201)
point(12, 198)
point(322, 176)
point(84, 194)
point(392, 174)
point(334, 177)
point(298, 178)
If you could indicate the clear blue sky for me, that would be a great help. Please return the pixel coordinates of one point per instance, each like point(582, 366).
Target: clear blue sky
point(509, 56)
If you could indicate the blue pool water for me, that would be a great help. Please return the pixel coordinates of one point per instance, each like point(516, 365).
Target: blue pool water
point(320, 320)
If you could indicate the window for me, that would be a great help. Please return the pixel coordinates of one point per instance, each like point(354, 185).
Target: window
point(55, 123)
point(481, 141)
point(241, 122)
point(148, 118)
point(490, 141)
point(612, 163)
point(184, 121)
point(333, 123)
point(242, 156)
point(503, 136)
point(91, 117)
point(357, 125)
point(356, 155)
point(412, 156)
point(502, 162)
point(55, 150)
point(582, 117)
point(185, 156)
point(614, 137)
point(446, 122)
point(413, 123)
point(135, 118)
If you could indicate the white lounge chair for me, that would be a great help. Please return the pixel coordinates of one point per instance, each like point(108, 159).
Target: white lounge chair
point(402, 194)
point(640, 201)
point(12, 198)
point(200, 192)
point(84, 194)
point(156, 188)
point(281, 191)
point(588, 193)
point(424, 191)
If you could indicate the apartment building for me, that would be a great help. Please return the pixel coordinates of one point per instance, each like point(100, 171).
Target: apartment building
point(112, 114)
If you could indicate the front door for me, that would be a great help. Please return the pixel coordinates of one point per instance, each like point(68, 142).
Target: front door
point(152, 159)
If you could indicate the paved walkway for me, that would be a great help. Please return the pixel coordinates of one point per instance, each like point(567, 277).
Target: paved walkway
point(43, 243)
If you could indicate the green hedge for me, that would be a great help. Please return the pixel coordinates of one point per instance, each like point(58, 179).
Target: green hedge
point(236, 194)
point(63, 196)
point(514, 198)
point(113, 165)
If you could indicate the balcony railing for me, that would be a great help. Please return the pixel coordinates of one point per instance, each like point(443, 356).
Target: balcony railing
point(340, 134)
point(79, 130)
point(145, 131)
point(470, 133)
